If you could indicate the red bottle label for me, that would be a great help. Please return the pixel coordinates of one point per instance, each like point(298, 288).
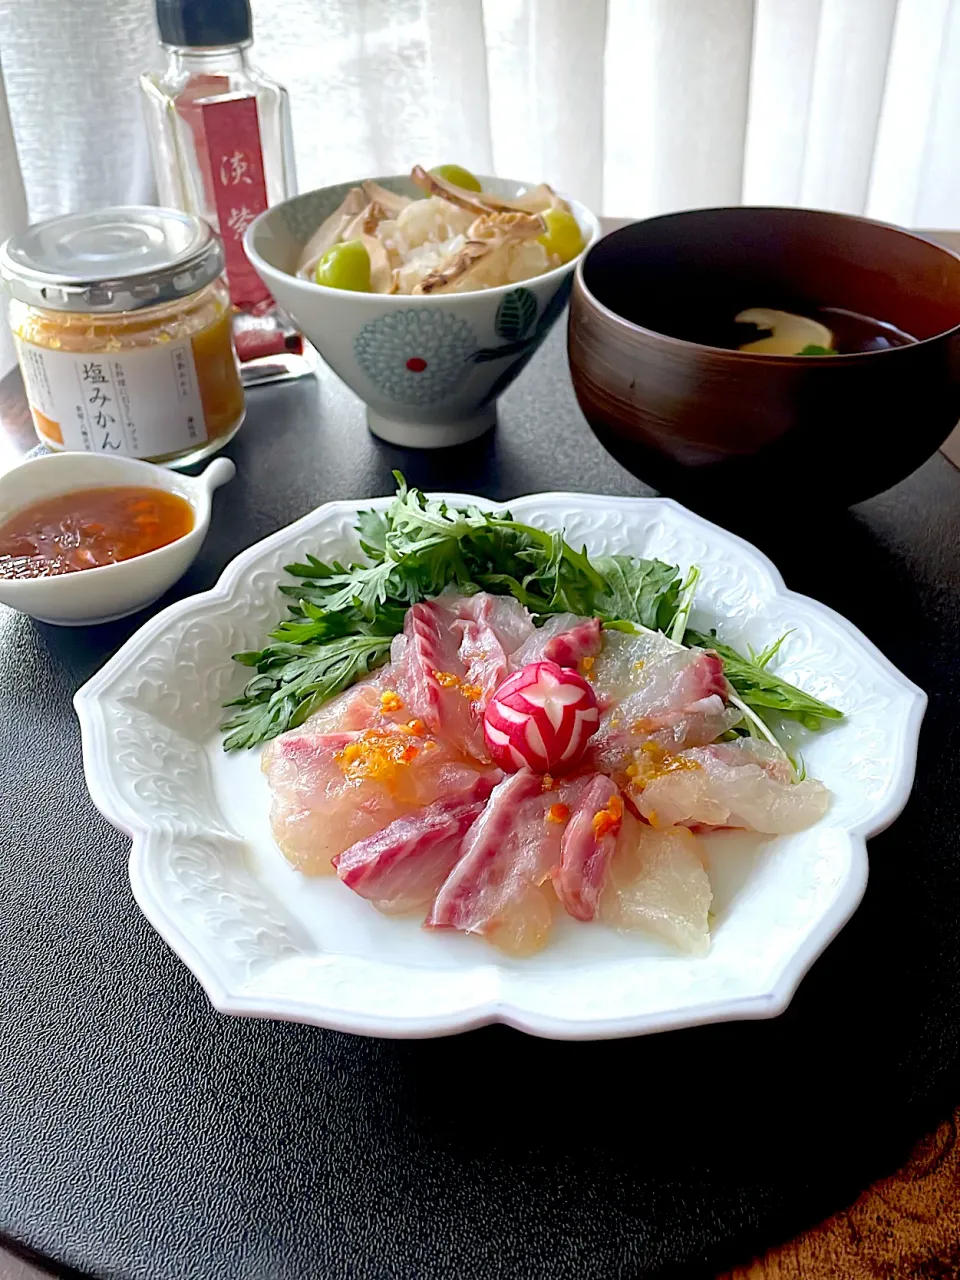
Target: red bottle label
point(232, 132)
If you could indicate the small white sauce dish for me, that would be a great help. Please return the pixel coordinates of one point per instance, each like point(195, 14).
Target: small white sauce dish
point(114, 590)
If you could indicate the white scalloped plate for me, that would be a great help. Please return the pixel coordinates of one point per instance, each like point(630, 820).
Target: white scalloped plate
point(265, 941)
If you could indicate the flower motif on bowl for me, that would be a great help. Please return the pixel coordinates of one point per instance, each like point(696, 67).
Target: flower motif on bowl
point(417, 355)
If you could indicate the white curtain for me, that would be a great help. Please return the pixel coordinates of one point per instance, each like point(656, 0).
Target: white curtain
point(635, 106)
point(13, 208)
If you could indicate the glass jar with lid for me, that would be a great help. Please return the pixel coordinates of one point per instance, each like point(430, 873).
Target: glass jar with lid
point(123, 330)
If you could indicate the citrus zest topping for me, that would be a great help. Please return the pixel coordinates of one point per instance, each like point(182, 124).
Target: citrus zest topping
point(376, 756)
point(607, 820)
point(654, 761)
point(415, 727)
point(558, 813)
point(638, 666)
point(390, 701)
point(587, 663)
point(448, 680)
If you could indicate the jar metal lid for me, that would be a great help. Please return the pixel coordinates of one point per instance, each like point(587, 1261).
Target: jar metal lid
point(111, 260)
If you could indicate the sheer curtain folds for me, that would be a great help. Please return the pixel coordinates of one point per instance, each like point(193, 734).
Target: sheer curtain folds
point(13, 208)
point(635, 106)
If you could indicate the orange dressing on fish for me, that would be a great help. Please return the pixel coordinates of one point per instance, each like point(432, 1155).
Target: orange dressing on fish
point(90, 528)
point(606, 821)
point(447, 680)
point(376, 756)
point(654, 761)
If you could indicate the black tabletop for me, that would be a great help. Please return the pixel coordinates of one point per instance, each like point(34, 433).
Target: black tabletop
point(144, 1135)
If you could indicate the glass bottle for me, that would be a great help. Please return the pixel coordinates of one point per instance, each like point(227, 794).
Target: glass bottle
point(222, 147)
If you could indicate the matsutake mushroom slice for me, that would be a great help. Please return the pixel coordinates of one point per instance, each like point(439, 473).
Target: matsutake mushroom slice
point(381, 270)
point(366, 221)
point(500, 248)
point(481, 202)
point(330, 231)
point(507, 226)
point(391, 201)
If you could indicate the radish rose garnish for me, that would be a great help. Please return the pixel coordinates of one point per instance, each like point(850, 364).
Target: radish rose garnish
point(541, 718)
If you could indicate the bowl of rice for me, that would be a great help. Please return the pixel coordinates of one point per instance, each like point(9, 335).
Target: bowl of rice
point(463, 287)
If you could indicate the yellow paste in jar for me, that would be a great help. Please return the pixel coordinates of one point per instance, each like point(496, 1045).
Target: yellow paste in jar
point(203, 318)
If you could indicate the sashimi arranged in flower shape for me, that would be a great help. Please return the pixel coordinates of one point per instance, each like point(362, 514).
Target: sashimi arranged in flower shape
point(495, 776)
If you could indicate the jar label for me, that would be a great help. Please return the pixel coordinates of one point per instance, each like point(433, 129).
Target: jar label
point(231, 129)
point(140, 404)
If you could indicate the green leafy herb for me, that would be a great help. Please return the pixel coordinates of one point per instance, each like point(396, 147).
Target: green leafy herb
point(297, 675)
point(342, 618)
point(760, 688)
point(643, 591)
point(684, 605)
point(814, 349)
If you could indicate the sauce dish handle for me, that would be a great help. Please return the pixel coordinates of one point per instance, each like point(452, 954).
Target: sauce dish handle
point(221, 471)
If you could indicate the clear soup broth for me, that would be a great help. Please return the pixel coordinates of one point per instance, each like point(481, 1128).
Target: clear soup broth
point(852, 332)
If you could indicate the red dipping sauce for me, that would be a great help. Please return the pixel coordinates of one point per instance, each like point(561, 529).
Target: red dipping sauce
point(90, 528)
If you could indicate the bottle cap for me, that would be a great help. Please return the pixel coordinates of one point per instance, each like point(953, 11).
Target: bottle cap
point(202, 24)
point(111, 260)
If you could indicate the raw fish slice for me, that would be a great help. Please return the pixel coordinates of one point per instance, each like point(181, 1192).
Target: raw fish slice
point(725, 785)
point(495, 888)
point(657, 881)
point(358, 707)
point(651, 688)
point(402, 867)
point(565, 638)
point(490, 629)
point(658, 676)
point(331, 790)
point(588, 843)
point(507, 618)
point(430, 678)
point(569, 648)
point(484, 660)
point(620, 733)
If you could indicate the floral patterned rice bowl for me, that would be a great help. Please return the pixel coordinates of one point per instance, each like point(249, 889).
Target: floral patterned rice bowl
point(429, 368)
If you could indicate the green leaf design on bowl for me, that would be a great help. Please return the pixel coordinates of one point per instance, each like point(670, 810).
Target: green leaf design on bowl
point(516, 315)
